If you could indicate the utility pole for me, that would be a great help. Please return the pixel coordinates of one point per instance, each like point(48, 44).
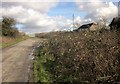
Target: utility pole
point(73, 21)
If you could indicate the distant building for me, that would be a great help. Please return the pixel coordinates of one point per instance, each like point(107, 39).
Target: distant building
point(90, 26)
point(115, 24)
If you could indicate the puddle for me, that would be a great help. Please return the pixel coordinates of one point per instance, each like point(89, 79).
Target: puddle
point(30, 65)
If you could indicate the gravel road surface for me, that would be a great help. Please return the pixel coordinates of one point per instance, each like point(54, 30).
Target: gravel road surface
point(15, 61)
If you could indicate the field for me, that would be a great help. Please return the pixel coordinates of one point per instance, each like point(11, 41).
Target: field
point(85, 56)
point(8, 41)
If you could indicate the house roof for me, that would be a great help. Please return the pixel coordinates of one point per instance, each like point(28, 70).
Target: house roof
point(115, 22)
point(85, 26)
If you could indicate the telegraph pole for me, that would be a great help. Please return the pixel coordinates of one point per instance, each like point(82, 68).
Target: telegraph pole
point(73, 20)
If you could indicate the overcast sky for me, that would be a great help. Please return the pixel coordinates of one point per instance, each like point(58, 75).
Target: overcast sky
point(34, 16)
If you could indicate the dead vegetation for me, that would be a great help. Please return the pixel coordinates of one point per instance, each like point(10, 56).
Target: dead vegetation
point(85, 56)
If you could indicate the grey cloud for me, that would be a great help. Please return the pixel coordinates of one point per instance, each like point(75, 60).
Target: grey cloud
point(97, 9)
point(39, 6)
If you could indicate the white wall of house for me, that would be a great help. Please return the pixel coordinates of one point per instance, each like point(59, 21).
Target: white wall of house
point(94, 27)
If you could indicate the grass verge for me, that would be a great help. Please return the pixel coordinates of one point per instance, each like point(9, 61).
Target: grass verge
point(8, 41)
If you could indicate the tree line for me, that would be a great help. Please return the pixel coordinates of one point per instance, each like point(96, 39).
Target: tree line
point(9, 27)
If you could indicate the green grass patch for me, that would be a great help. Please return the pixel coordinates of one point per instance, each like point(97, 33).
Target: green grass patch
point(40, 71)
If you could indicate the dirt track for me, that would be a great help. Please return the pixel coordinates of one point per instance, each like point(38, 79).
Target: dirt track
point(16, 60)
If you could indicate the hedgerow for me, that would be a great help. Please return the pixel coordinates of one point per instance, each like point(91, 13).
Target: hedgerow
point(85, 56)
